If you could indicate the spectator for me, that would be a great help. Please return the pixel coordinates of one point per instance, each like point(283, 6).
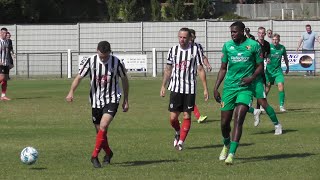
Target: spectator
point(308, 39)
point(269, 34)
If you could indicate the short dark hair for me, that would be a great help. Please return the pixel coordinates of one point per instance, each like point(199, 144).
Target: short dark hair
point(4, 29)
point(104, 47)
point(238, 24)
point(186, 30)
point(308, 25)
point(192, 31)
point(276, 35)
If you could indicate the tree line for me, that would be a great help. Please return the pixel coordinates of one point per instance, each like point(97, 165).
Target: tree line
point(73, 11)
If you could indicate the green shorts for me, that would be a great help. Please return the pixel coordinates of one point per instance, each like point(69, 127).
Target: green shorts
point(274, 78)
point(232, 97)
point(259, 92)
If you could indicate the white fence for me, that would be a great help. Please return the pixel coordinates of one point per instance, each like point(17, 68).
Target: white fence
point(141, 37)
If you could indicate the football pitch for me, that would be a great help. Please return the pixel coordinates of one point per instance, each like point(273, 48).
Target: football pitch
point(142, 139)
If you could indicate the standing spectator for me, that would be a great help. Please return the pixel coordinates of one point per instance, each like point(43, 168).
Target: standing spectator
point(11, 52)
point(241, 63)
point(308, 39)
point(269, 35)
point(4, 62)
point(274, 74)
point(248, 35)
point(183, 62)
point(104, 70)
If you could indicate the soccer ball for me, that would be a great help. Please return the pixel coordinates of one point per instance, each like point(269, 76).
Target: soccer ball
point(29, 155)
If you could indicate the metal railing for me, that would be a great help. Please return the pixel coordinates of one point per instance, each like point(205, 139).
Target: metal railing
point(55, 63)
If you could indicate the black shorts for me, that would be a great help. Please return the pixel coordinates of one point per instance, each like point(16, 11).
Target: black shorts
point(181, 102)
point(4, 69)
point(10, 59)
point(97, 113)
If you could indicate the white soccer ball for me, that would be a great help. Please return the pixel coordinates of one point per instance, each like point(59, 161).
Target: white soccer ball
point(29, 155)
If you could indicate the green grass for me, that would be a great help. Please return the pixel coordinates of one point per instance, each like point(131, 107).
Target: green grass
point(141, 139)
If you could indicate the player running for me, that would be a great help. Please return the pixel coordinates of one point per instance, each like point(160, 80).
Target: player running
point(274, 72)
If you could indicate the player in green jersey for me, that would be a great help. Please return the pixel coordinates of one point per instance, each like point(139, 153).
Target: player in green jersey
point(274, 72)
point(241, 63)
point(259, 92)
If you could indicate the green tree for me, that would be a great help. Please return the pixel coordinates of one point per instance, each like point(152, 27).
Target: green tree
point(178, 11)
point(133, 10)
point(200, 8)
point(155, 10)
point(113, 9)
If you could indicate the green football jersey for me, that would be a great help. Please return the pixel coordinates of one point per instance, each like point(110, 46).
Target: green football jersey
point(242, 60)
point(276, 53)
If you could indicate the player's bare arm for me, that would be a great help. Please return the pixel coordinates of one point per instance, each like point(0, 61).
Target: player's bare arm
point(206, 63)
point(202, 75)
point(221, 74)
point(299, 44)
point(73, 88)
point(125, 87)
point(166, 75)
point(286, 61)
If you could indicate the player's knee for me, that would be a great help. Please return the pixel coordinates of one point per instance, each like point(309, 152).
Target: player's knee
point(280, 86)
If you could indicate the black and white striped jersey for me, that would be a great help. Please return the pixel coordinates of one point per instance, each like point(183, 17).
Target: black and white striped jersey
point(4, 52)
point(184, 68)
point(201, 48)
point(104, 80)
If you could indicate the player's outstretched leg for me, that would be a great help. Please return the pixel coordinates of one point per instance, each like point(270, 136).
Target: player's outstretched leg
point(272, 115)
point(198, 115)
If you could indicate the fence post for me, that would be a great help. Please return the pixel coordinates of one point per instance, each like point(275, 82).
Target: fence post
point(78, 31)
point(154, 62)
point(28, 68)
point(206, 35)
point(141, 28)
point(69, 64)
point(16, 48)
point(60, 65)
point(162, 62)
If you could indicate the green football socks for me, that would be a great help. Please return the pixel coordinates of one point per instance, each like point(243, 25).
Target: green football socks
point(281, 98)
point(226, 141)
point(251, 109)
point(272, 115)
point(233, 147)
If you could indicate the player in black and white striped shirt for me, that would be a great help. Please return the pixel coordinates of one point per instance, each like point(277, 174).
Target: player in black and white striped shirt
point(4, 63)
point(183, 63)
point(104, 71)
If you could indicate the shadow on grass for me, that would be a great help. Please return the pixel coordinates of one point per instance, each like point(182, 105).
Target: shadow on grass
point(217, 146)
point(38, 168)
point(37, 97)
point(284, 131)
point(142, 163)
point(298, 110)
point(273, 157)
point(209, 121)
